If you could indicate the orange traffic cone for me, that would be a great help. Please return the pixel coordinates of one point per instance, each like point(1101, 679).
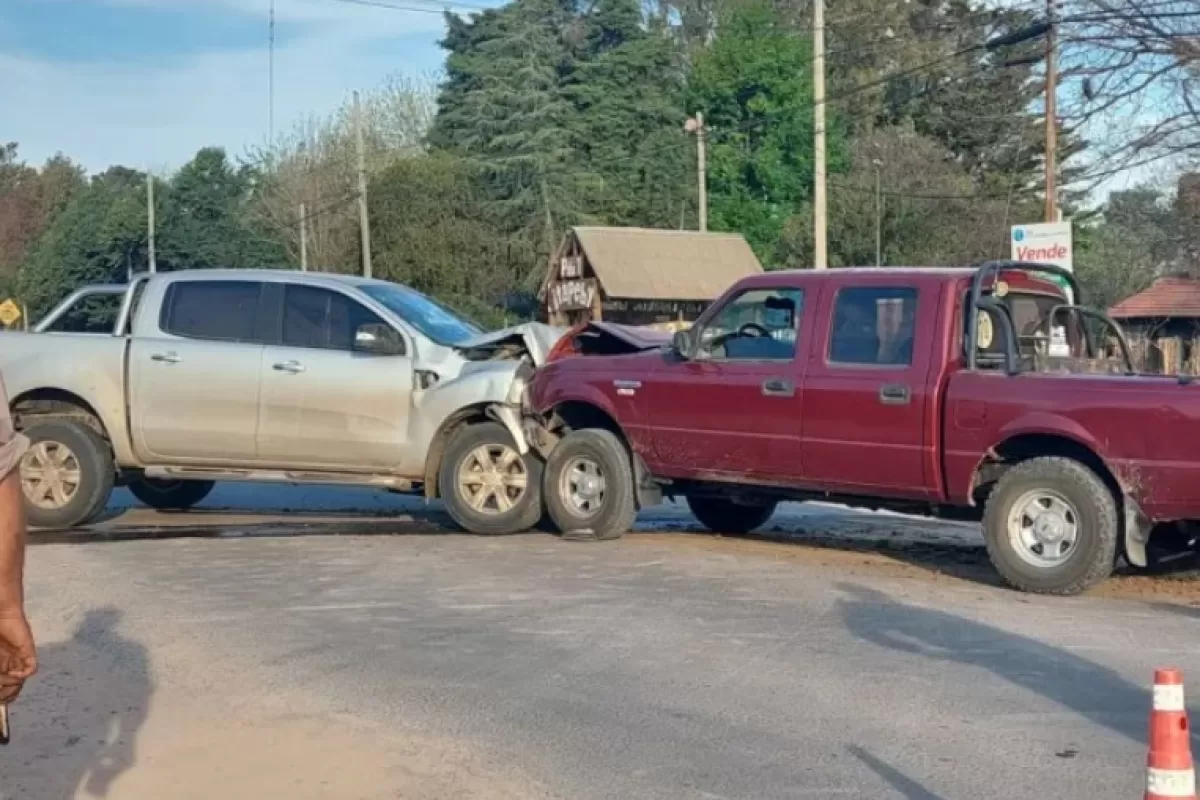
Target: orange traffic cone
point(1169, 772)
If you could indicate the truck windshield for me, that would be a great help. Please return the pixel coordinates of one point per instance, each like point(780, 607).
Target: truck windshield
point(428, 316)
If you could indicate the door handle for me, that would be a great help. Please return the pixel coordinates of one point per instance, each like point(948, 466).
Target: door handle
point(292, 367)
point(778, 387)
point(166, 358)
point(894, 394)
point(627, 384)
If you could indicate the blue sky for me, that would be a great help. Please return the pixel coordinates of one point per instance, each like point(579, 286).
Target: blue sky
point(146, 83)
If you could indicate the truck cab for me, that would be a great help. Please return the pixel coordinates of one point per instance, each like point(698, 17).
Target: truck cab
point(939, 391)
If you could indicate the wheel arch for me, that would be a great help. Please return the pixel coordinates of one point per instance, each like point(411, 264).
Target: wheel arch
point(570, 415)
point(467, 415)
point(51, 402)
point(1019, 447)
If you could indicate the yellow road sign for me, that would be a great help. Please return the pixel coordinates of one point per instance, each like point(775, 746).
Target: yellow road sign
point(10, 312)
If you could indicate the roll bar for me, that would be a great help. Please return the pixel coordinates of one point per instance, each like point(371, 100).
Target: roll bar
point(991, 270)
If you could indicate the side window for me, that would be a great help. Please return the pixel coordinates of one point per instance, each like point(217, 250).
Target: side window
point(221, 311)
point(756, 325)
point(873, 326)
point(322, 319)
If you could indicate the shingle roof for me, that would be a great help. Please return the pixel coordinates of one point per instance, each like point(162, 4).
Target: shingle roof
point(651, 264)
point(1172, 296)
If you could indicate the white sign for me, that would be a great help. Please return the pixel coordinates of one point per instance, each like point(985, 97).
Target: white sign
point(1045, 242)
point(1048, 243)
point(572, 295)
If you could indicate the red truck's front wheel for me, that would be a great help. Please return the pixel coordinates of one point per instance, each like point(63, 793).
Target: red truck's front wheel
point(1051, 526)
point(589, 489)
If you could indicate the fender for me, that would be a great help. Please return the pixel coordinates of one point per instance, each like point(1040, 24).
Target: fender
point(98, 384)
point(559, 393)
point(1135, 525)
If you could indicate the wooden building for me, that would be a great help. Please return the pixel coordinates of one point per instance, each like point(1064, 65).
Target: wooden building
point(1163, 326)
point(638, 276)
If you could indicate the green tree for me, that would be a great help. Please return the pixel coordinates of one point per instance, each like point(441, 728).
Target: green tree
point(428, 231)
point(754, 85)
point(1136, 240)
point(505, 109)
point(99, 237)
point(923, 201)
point(205, 219)
point(29, 201)
point(627, 94)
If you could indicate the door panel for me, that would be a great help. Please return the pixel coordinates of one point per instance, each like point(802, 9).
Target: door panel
point(734, 410)
point(194, 387)
point(323, 405)
point(865, 393)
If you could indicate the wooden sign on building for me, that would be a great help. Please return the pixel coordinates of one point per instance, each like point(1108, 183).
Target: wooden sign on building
point(639, 276)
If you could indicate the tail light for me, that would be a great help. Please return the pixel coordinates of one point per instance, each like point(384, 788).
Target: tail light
point(567, 346)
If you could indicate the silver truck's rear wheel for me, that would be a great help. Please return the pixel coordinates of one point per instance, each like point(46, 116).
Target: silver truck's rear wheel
point(167, 495)
point(67, 475)
point(1051, 527)
point(488, 487)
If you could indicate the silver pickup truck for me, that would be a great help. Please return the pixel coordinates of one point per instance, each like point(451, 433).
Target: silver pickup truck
point(178, 380)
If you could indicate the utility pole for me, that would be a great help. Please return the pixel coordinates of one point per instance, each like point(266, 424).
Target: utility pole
point(820, 251)
point(1051, 114)
point(303, 240)
point(696, 125)
point(150, 221)
point(363, 222)
point(878, 216)
point(271, 75)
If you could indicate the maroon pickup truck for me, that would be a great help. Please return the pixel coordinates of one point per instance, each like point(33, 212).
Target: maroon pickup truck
point(964, 393)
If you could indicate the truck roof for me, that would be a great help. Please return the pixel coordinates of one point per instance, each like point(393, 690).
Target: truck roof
point(270, 275)
point(1029, 281)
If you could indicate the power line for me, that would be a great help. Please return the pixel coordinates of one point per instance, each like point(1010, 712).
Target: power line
point(444, 7)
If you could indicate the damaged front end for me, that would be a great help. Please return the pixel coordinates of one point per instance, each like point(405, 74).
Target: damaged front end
point(608, 339)
point(485, 375)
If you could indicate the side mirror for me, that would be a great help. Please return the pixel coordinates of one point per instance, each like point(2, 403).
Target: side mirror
point(379, 340)
point(682, 344)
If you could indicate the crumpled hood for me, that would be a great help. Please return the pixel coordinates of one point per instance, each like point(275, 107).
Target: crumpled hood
point(534, 338)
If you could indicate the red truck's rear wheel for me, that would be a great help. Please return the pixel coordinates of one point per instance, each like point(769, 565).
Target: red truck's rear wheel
point(722, 515)
point(1051, 527)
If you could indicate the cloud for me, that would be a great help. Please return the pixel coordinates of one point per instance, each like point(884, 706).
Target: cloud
point(157, 115)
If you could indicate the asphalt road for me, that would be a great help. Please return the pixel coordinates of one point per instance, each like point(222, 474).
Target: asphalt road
point(245, 654)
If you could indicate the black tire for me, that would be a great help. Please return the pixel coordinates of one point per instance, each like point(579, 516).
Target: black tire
point(616, 507)
point(722, 515)
point(96, 473)
point(489, 521)
point(1091, 558)
point(167, 495)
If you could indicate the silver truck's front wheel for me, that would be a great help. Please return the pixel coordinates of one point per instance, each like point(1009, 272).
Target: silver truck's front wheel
point(66, 476)
point(487, 485)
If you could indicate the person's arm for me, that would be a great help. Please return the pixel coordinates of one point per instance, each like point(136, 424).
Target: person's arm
point(18, 659)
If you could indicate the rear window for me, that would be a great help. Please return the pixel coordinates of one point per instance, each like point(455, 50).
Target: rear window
point(873, 326)
point(219, 311)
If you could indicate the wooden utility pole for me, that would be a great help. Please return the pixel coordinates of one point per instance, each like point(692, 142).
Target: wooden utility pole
point(1051, 114)
point(271, 75)
point(363, 221)
point(696, 125)
point(878, 216)
point(820, 254)
point(150, 222)
point(303, 240)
